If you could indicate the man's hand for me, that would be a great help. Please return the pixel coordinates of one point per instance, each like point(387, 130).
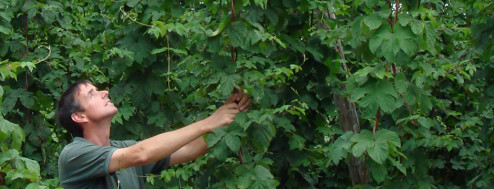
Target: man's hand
point(223, 116)
point(242, 99)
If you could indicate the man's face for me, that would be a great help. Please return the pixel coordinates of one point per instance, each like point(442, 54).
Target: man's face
point(96, 103)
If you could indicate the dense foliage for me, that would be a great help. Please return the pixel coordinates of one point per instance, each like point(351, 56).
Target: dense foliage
point(417, 75)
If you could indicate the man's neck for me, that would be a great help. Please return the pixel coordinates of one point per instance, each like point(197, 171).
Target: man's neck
point(98, 134)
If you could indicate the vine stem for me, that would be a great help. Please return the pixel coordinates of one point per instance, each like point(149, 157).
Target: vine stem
point(397, 3)
point(240, 156)
point(26, 19)
point(169, 60)
point(2, 181)
point(46, 57)
point(378, 115)
point(339, 47)
point(234, 54)
point(233, 50)
point(133, 19)
point(393, 67)
point(26, 50)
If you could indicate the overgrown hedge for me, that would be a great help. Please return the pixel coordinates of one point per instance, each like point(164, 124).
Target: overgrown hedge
point(346, 93)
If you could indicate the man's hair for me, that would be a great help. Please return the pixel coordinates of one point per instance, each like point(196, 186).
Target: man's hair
point(67, 105)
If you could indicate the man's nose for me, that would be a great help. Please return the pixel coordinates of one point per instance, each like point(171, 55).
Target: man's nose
point(105, 93)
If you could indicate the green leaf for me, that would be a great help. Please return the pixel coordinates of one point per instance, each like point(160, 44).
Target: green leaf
point(399, 166)
point(378, 171)
point(157, 119)
point(226, 86)
point(214, 137)
point(8, 155)
point(127, 111)
point(388, 43)
point(363, 141)
point(383, 34)
point(401, 84)
point(238, 34)
point(159, 29)
point(13, 131)
point(388, 136)
point(430, 38)
point(378, 151)
point(405, 40)
point(246, 176)
point(373, 21)
point(223, 64)
point(262, 135)
point(263, 178)
point(489, 91)
point(359, 148)
point(297, 142)
point(262, 172)
point(1, 95)
point(34, 186)
point(220, 151)
point(221, 27)
point(364, 136)
point(32, 167)
point(417, 27)
point(377, 93)
point(315, 52)
point(27, 100)
point(174, 50)
point(404, 19)
point(157, 51)
point(284, 123)
point(261, 3)
point(4, 30)
point(132, 3)
point(338, 149)
point(426, 122)
point(233, 142)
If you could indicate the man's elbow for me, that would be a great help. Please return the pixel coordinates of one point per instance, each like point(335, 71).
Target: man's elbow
point(141, 157)
point(202, 151)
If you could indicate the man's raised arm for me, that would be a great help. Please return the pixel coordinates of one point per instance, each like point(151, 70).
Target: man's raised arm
point(163, 145)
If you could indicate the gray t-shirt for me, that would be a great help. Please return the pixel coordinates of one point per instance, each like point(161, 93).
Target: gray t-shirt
point(83, 164)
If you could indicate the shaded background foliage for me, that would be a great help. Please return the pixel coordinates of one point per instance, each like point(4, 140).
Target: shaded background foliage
point(419, 73)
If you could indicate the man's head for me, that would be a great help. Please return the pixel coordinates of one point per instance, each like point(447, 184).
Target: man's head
point(83, 103)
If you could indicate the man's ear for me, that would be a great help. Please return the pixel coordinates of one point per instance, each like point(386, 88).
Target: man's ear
point(78, 117)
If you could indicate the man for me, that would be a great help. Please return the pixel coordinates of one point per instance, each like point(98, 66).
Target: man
point(92, 160)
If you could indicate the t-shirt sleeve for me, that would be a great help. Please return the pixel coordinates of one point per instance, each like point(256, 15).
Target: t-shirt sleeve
point(84, 161)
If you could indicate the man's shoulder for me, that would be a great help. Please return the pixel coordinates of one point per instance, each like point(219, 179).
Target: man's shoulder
point(81, 146)
point(76, 145)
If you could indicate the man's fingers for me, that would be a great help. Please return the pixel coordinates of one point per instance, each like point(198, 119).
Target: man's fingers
point(232, 105)
point(244, 107)
point(240, 94)
point(231, 99)
point(233, 110)
point(243, 100)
